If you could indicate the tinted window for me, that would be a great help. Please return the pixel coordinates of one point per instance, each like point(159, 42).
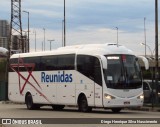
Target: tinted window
point(13, 61)
point(90, 67)
point(48, 63)
point(36, 61)
point(145, 86)
point(65, 62)
point(58, 62)
point(123, 72)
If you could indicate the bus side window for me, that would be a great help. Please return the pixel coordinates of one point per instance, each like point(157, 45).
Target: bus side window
point(31, 60)
point(90, 67)
point(13, 61)
point(66, 62)
point(48, 63)
point(97, 72)
point(85, 66)
point(58, 62)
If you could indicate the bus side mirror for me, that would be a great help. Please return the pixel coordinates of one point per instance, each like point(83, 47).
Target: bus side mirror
point(145, 61)
point(104, 62)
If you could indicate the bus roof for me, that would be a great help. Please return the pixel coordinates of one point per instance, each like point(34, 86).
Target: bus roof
point(88, 49)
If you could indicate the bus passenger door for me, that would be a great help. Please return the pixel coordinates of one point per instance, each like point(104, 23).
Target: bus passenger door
point(98, 95)
point(98, 83)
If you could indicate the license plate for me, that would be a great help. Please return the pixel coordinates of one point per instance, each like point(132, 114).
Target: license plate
point(127, 103)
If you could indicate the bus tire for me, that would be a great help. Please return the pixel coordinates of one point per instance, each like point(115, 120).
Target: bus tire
point(83, 105)
point(37, 106)
point(29, 102)
point(58, 107)
point(116, 110)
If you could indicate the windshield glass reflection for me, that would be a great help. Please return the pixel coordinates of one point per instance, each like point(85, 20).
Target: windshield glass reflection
point(123, 72)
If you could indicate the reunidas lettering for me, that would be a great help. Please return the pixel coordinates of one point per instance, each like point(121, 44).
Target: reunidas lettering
point(60, 77)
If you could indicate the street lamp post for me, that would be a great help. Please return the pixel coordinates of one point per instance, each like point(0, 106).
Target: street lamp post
point(64, 24)
point(28, 28)
point(148, 48)
point(152, 52)
point(62, 33)
point(50, 44)
point(44, 38)
point(35, 41)
point(145, 34)
point(117, 36)
point(156, 49)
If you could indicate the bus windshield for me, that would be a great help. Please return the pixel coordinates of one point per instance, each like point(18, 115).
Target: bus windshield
point(123, 72)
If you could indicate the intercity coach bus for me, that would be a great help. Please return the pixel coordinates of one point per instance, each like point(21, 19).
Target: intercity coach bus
point(94, 75)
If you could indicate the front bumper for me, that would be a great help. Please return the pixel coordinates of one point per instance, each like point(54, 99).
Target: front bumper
point(123, 103)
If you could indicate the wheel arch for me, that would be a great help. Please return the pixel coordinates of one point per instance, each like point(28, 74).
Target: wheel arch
point(80, 96)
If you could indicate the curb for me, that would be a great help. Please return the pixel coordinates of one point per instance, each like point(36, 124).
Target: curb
point(2, 125)
point(9, 102)
point(6, 102)
point(149, 109)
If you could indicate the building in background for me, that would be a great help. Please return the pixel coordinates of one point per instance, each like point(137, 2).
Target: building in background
point(16, 40)
point(4, 33)
point(16, 45)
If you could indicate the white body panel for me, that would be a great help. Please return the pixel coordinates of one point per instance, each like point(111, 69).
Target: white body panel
point(67, 93)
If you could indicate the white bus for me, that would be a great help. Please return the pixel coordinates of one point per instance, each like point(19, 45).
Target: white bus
point(94, 75)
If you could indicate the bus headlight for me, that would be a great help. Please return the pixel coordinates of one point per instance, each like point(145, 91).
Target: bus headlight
point(109, 97)
point(140, 97)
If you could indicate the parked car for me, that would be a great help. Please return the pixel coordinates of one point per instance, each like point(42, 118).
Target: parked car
point(149, 94)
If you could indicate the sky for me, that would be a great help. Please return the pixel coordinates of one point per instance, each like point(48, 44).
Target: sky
point(88, 21)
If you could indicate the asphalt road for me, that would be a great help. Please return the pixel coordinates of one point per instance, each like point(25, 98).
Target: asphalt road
point(20, 111)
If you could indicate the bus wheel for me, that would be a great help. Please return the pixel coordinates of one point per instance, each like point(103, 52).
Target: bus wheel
point(37, 106)
point(116, 110)
point(58, 107)
point(29, 102)
point(83, 105)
